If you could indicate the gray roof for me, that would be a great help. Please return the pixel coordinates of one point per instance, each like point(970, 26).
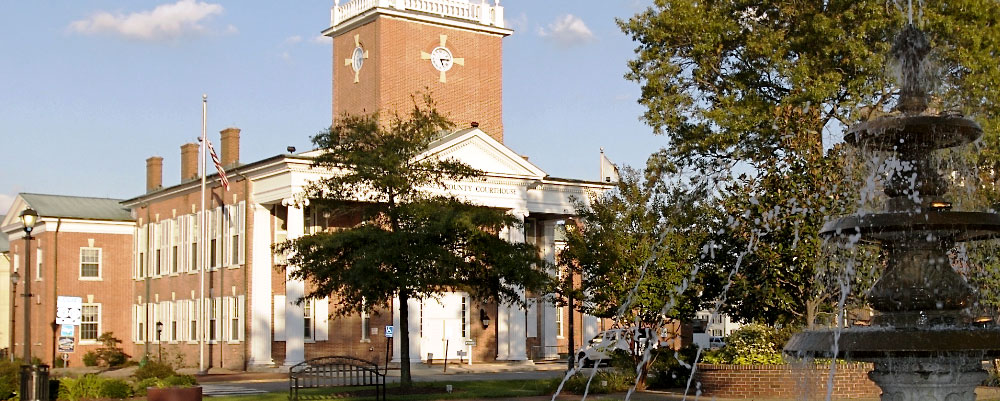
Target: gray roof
point(78, 207)
point(4, 243)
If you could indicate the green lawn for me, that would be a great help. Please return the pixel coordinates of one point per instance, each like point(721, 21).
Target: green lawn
point(460, 390)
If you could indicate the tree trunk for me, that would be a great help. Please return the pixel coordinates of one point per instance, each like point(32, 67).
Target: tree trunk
point(404, 341)
point(811, 306)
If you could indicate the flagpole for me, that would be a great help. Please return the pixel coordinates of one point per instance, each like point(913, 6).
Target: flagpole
point(201, 241)
point(601, 162)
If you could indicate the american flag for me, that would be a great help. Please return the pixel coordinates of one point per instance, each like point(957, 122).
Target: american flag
point(218, 164)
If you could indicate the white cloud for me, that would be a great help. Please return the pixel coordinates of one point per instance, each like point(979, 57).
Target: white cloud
point(567, 30)
point(291, 40)
point(165, 22)
point(322, 40)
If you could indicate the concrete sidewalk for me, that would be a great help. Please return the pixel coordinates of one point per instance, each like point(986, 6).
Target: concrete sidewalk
point(417, 371)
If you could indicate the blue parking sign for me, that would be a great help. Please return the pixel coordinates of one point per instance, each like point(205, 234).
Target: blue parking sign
point(388, 331)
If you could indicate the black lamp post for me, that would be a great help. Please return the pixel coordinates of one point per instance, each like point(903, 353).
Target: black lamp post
point(159, 342)
point(28, 218)
point(14, 278)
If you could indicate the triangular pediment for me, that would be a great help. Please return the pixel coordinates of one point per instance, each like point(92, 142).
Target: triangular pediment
point(474, 147)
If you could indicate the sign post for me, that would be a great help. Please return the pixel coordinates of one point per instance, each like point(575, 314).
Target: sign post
point(470, 343)
point(388, 347)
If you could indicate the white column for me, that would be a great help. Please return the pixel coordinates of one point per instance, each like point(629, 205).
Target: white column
point(547, 310)
point(294, 289)
point(511, 319)
point(260, 285)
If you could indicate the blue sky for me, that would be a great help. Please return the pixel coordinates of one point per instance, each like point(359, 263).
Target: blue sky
point(90, 89)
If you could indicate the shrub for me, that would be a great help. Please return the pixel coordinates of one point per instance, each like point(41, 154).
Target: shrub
point(10, 372)
point(180, 381)
point(90, 358)
point(111, 353)
point(115, 388)
point(668, 371)
point(139, 388)
point(84, 387)
point(154, 369)
point(604, 381)
point(753, 344)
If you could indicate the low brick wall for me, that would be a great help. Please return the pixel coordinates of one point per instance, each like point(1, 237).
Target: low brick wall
point(785, 381)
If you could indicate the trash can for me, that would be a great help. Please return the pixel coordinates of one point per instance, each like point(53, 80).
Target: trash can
point(34, 383)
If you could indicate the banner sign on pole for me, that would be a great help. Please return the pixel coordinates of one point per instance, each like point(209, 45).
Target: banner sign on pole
point(66, 330)
point(69, 310)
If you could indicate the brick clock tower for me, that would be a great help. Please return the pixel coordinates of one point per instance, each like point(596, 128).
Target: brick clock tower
point(384, 51)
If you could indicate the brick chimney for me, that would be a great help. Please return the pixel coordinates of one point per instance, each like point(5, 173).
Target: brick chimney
point(230, 146)
point(189, 161)
point(154, 173)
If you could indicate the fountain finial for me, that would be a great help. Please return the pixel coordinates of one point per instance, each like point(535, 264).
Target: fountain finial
point(909, 50)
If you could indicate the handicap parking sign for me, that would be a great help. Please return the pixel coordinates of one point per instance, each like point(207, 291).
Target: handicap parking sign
point(388, 331)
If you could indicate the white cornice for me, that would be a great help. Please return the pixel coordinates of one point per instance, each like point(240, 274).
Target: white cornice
point(371, 14)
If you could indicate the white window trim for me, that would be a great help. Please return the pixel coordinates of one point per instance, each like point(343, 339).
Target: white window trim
point(193, 309)
point(100, 263)
point(99, 332)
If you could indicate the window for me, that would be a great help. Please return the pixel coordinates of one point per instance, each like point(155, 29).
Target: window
point(464, 319)
point(307, 309)
point(213, 248)
point(421, 328)
point(559, 322)
point(235, 250)
point(193, 313)
point(366, 323)
point(90, 262)
point(142, 264)
point(158, 265)
point(234, 317)
point(212, 321)
point(174, 261)
point(90, 322)
point(194, 256)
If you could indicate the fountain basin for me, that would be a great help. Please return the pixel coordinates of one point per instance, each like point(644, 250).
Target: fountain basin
point(878, 343)
point(914, 132)
point(893, 226)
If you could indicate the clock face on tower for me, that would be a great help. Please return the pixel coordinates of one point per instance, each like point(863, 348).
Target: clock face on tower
point(441, 58)
point(357, 58)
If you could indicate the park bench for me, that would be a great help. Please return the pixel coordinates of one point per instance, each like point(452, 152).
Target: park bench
point(335, 371)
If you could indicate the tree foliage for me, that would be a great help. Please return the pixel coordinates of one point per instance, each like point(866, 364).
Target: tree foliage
point(412, 242)
point(634, 251)
point(754, 96)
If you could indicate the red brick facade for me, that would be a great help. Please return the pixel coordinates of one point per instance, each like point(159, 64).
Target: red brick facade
point(394, 72)
point(60, 275)
point(784, 381)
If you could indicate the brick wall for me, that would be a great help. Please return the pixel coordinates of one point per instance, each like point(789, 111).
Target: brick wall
point(394, 71)
point(785, 381)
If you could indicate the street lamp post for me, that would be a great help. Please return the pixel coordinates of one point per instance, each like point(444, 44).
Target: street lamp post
point(159, 342)
point(14, 278)
point(28, 217)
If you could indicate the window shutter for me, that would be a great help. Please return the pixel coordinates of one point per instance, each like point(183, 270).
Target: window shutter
point(241, 230)
point(279, 318)
point(242, 312)
point(226, 304)
point(218, 318)
point(322, 316)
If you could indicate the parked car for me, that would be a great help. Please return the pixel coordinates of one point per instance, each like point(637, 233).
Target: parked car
point(716, 343)
point(600, 349)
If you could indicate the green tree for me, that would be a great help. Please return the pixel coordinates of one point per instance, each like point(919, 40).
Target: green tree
point(634, 250)
point(748, 94)
point(410, 243)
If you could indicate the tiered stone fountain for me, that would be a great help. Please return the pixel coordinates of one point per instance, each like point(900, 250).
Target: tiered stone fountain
point(923, 342)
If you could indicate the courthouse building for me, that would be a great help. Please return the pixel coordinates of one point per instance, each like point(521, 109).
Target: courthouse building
point(137, 264)
point(383, 52)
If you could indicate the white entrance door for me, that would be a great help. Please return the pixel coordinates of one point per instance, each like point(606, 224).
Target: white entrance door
point(445, 325)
